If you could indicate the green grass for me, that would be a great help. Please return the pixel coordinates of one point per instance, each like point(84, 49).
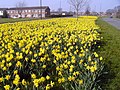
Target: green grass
point(12, 20)
point(111, 53)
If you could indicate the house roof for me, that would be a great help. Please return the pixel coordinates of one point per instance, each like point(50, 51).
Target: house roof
point(23, 8)
point(43, 7)
point(3, 8)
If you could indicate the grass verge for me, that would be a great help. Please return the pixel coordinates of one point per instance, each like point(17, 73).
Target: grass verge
point(111, 53)
point(12, 20)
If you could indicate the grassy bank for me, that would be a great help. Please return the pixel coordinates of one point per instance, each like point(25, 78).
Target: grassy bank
point(12, 20)
point(111, 53)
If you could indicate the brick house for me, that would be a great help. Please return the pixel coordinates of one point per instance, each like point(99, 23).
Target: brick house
point(1, 11)
point(30, 12)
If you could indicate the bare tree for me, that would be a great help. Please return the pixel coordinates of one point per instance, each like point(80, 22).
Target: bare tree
point(118, 12)
point(78, 5)
point(60, 11)
point(19, 6)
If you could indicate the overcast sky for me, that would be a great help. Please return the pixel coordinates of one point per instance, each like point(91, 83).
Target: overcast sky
point(55, 4)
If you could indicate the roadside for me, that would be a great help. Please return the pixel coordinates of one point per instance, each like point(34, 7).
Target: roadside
point(110, 51)
point(12, 20)
point(113, 21)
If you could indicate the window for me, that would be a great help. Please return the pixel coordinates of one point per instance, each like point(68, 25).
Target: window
point(25, 10)
point(29, 10)
point(35, 10)
point(32, 10)
point(11, 11)
point(22, 11)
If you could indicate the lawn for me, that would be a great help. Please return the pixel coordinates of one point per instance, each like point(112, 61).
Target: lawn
point(111, 53)
point(12, 20)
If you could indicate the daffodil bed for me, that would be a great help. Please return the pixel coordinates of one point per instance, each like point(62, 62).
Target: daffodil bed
point(46, 54)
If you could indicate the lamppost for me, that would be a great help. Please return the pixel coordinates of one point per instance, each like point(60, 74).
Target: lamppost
point(100, 8)
point(60, 3)
point(41, 8)
point(60, 11)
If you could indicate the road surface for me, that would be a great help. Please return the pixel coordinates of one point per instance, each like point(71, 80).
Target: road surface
point(113, 21)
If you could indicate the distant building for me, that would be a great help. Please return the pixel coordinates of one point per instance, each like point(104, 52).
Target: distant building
point(94, 13)
point(81, 13)
point(30, 12)
point(60, 13)
point(117, 11)
point(109, 12)
point(1, 11)
point(55, 13)
point(102, 14)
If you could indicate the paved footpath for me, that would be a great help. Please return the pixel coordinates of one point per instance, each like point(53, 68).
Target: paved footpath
point(113, 21)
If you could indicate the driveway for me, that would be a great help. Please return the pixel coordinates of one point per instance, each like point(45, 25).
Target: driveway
point(113, 21)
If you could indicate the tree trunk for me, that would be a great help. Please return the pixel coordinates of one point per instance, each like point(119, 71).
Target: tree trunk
point(77, 14)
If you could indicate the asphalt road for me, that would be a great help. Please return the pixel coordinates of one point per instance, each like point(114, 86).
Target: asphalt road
point(113, 21)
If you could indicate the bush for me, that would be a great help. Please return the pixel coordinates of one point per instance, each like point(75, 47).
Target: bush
point(5, 15)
